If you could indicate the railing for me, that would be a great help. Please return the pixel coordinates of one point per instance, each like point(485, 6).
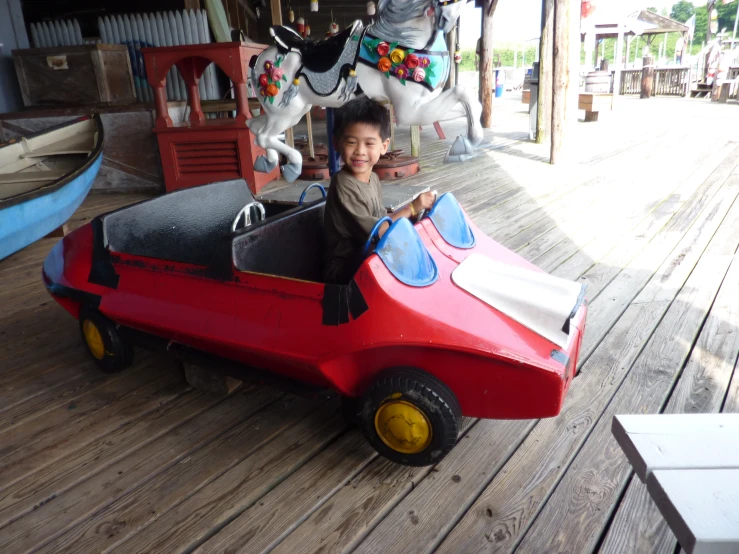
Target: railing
point(732, 75)
point(673, 81)
point(631, 81)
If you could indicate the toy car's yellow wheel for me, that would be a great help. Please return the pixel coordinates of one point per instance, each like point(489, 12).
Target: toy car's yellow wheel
point(403, 426)
point(93, 339)
point(410, 417)
point(100, 335)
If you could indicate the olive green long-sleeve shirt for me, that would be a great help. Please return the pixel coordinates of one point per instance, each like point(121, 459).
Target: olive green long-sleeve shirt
point(352, 210)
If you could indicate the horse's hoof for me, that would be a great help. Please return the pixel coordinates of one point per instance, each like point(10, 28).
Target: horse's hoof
point(263, 165)
point(453, 158)
point(461, 147)
point(291, 172)
point(460, 151)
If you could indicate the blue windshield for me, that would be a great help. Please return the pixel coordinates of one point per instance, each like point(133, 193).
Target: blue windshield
point(448, 218)
point(404, 254)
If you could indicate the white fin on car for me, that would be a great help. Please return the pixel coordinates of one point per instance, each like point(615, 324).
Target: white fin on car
point(538, 301)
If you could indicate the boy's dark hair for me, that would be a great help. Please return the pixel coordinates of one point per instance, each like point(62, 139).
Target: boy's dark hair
point(362, 110)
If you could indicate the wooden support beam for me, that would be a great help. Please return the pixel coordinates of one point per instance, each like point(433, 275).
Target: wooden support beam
point(243, 20)
point(573, 63)
point(276, 12)
point(233, 13)
point(451, 44)
point(192, 4)
point(487, 79)
point(250, 14)
point(546, 66)
point(561, 76)
point(309, 125)
point(647, 77)
point(415, 140)
point(277, 20)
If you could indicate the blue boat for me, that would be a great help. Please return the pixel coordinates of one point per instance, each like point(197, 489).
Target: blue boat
point(44, 178)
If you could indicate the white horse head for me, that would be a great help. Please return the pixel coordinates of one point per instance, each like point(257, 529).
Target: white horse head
point(414, 22)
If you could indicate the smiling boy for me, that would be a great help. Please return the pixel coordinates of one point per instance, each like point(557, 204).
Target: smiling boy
point(354, 204)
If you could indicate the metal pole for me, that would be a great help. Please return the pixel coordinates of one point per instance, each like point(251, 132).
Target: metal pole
point(664, 46)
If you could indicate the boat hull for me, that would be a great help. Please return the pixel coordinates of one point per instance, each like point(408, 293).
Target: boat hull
point(25, 223)
point(31, 215)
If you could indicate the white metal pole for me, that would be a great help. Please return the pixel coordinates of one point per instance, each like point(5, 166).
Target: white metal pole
point(617, 68)
point(636, 49)
point(603, 49)
point(664, 46)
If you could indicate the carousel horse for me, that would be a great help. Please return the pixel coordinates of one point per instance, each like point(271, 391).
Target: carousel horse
point(402, 57)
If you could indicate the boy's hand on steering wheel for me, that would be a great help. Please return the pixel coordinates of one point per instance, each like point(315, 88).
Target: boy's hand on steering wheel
point(425, 201)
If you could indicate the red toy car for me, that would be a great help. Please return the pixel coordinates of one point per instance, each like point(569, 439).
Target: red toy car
point(413, 339)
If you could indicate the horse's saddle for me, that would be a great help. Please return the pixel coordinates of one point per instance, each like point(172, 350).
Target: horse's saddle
point(323, 60)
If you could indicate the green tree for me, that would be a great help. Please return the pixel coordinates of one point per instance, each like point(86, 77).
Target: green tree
point(682, 11)
point(726, 16)
point(701, 24)
point(653, 10)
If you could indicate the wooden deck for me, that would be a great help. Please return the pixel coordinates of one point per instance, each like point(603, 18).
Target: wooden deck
point(646, 213)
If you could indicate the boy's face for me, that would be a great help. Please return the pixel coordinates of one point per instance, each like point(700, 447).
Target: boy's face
point(360, 147)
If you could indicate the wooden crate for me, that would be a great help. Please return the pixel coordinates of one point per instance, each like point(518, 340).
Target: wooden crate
point(92, 74)
point(595, 102)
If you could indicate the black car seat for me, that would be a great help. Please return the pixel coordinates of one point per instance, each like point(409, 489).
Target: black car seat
point(183, 226)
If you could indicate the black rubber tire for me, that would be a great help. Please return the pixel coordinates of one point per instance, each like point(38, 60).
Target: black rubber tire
point(118, 353)
point(426, 393)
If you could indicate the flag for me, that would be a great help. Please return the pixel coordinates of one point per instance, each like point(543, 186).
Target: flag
point(691, 26)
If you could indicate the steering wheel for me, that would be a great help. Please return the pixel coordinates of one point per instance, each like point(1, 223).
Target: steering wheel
point(422, 213)
point(246, 212)
point(305, 191)
point(373, 233)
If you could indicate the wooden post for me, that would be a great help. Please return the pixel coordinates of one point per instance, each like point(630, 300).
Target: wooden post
point(415, 140)
point(561, 77)
point(276, 12)
point(233, 14)
point(309, 126)
point(192, 4)
point(546, 61)
point(710, 5)
point(487, 81)
point(277, 20)
point(573, 63)
point(618, 68)
point(392, 125)
point(647, 77)
point(451, 44)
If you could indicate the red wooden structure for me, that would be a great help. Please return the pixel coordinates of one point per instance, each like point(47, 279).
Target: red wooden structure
point(200, 150)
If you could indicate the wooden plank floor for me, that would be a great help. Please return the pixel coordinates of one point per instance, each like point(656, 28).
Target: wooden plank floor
point(644, 211)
